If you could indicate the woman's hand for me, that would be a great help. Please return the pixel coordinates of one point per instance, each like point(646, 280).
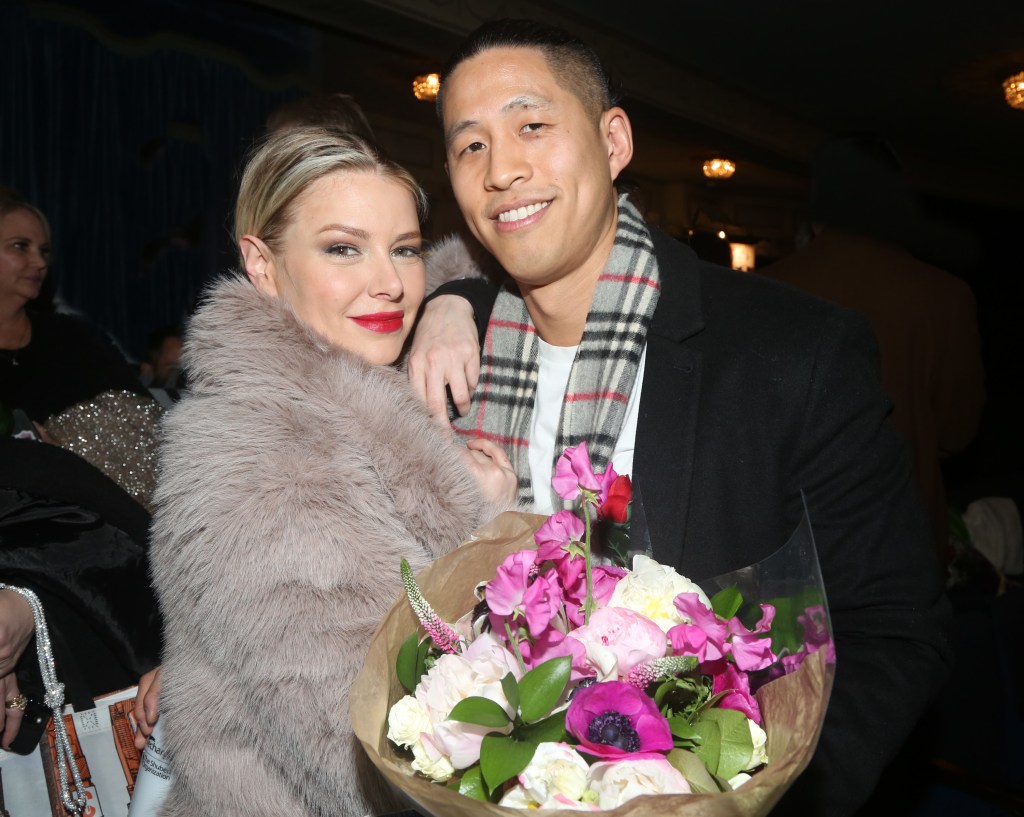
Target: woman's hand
point(492, 469)
point(10, 719)
point(445, 353)
point(147, 706)
point(16, 628)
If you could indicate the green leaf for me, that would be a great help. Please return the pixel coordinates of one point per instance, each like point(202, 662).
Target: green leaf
point(471, 784)
point(479, 710)
point(681, 728)
point(541, 687)
point(502, 758)
point(510, 687)
point(709, 750)
point(735, 747)
point(693, 769)
point(405, 663)
point(421, 658)
point(726, 603)
point(549, 730)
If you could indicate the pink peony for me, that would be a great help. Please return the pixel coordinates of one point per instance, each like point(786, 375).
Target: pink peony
point(623, 636)
point(614, 720)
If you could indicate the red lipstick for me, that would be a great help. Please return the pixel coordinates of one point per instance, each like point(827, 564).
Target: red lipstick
point(383, 322)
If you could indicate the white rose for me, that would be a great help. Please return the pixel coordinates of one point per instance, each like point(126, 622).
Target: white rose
point(650, 588)
point(619, 781)
point(428, 760)
point(406, 720)
point(556, 768)
point(739, 780)
point(760, 741)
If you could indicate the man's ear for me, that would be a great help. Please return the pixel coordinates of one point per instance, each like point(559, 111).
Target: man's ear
point(618, 133)
point(259, 264)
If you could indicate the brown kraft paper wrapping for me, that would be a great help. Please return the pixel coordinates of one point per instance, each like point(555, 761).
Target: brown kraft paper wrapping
point(793, 706)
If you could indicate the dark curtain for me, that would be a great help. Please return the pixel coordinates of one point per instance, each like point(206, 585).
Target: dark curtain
point(126, 124)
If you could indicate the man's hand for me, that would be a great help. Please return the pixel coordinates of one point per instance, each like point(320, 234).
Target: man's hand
point(445, 352)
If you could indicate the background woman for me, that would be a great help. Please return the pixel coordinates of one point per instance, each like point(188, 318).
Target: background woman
point(295, 475)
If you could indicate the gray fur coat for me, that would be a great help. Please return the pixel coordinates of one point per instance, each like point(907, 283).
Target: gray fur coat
point(293, 479)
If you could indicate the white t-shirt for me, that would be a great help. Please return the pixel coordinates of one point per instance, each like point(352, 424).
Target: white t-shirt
point(554, 364)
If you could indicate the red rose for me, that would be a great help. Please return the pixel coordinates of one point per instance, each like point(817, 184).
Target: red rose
point(616, 506)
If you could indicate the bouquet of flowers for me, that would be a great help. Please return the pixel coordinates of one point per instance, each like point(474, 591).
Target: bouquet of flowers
point(545, 673)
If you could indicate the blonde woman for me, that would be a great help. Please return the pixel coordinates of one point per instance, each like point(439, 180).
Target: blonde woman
point(295, 475)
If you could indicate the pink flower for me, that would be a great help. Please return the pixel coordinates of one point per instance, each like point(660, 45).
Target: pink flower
point(613, 720)
point(709, 638)
point(816, 631)
point(557, 534)
point(574, 583)
point(541, 603)
point(618, 640)
point(573, 472)
point(516, 590)
point(504, 593)
point(705, 637)
point(736, 683)
point(749, 650)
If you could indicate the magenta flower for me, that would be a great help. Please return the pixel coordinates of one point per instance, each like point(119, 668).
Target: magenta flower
point(556, 537)
point(517, 591)
point(615, 720)
point(574, 473)
point(541, 603)
point(816, 631)
point(574, 584)
point(736, 684)
point(710, 639)
point(749, 650)
point(504, 593)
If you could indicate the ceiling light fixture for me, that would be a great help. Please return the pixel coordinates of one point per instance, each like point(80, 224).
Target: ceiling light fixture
point(1013, 87)
point(425, 87)
point(719, 168)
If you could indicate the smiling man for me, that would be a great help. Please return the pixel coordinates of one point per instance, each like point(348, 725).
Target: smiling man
point(726, 397)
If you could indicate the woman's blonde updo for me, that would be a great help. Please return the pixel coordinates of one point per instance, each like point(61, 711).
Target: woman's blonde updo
point(284, 163)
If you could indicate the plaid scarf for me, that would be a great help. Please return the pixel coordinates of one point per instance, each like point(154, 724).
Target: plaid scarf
point(603, 371)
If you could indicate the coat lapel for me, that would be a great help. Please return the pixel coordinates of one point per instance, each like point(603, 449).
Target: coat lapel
point(666, 432)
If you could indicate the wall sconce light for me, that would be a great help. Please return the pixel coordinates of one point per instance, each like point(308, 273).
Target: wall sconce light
point(425, 87)
point(1013, 87)
point(719, 168)
point(742, 256)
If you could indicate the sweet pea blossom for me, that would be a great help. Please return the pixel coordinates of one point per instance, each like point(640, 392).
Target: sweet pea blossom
point(572, 574)
point(617, 639)
point(615, 720)
point(736, 686)
point(711, 639)
point(618, 781)
point(557, 536)
point(574, 474)
point(556, 777)
point(650, 588)
point(477, 671)
point(516, 590)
